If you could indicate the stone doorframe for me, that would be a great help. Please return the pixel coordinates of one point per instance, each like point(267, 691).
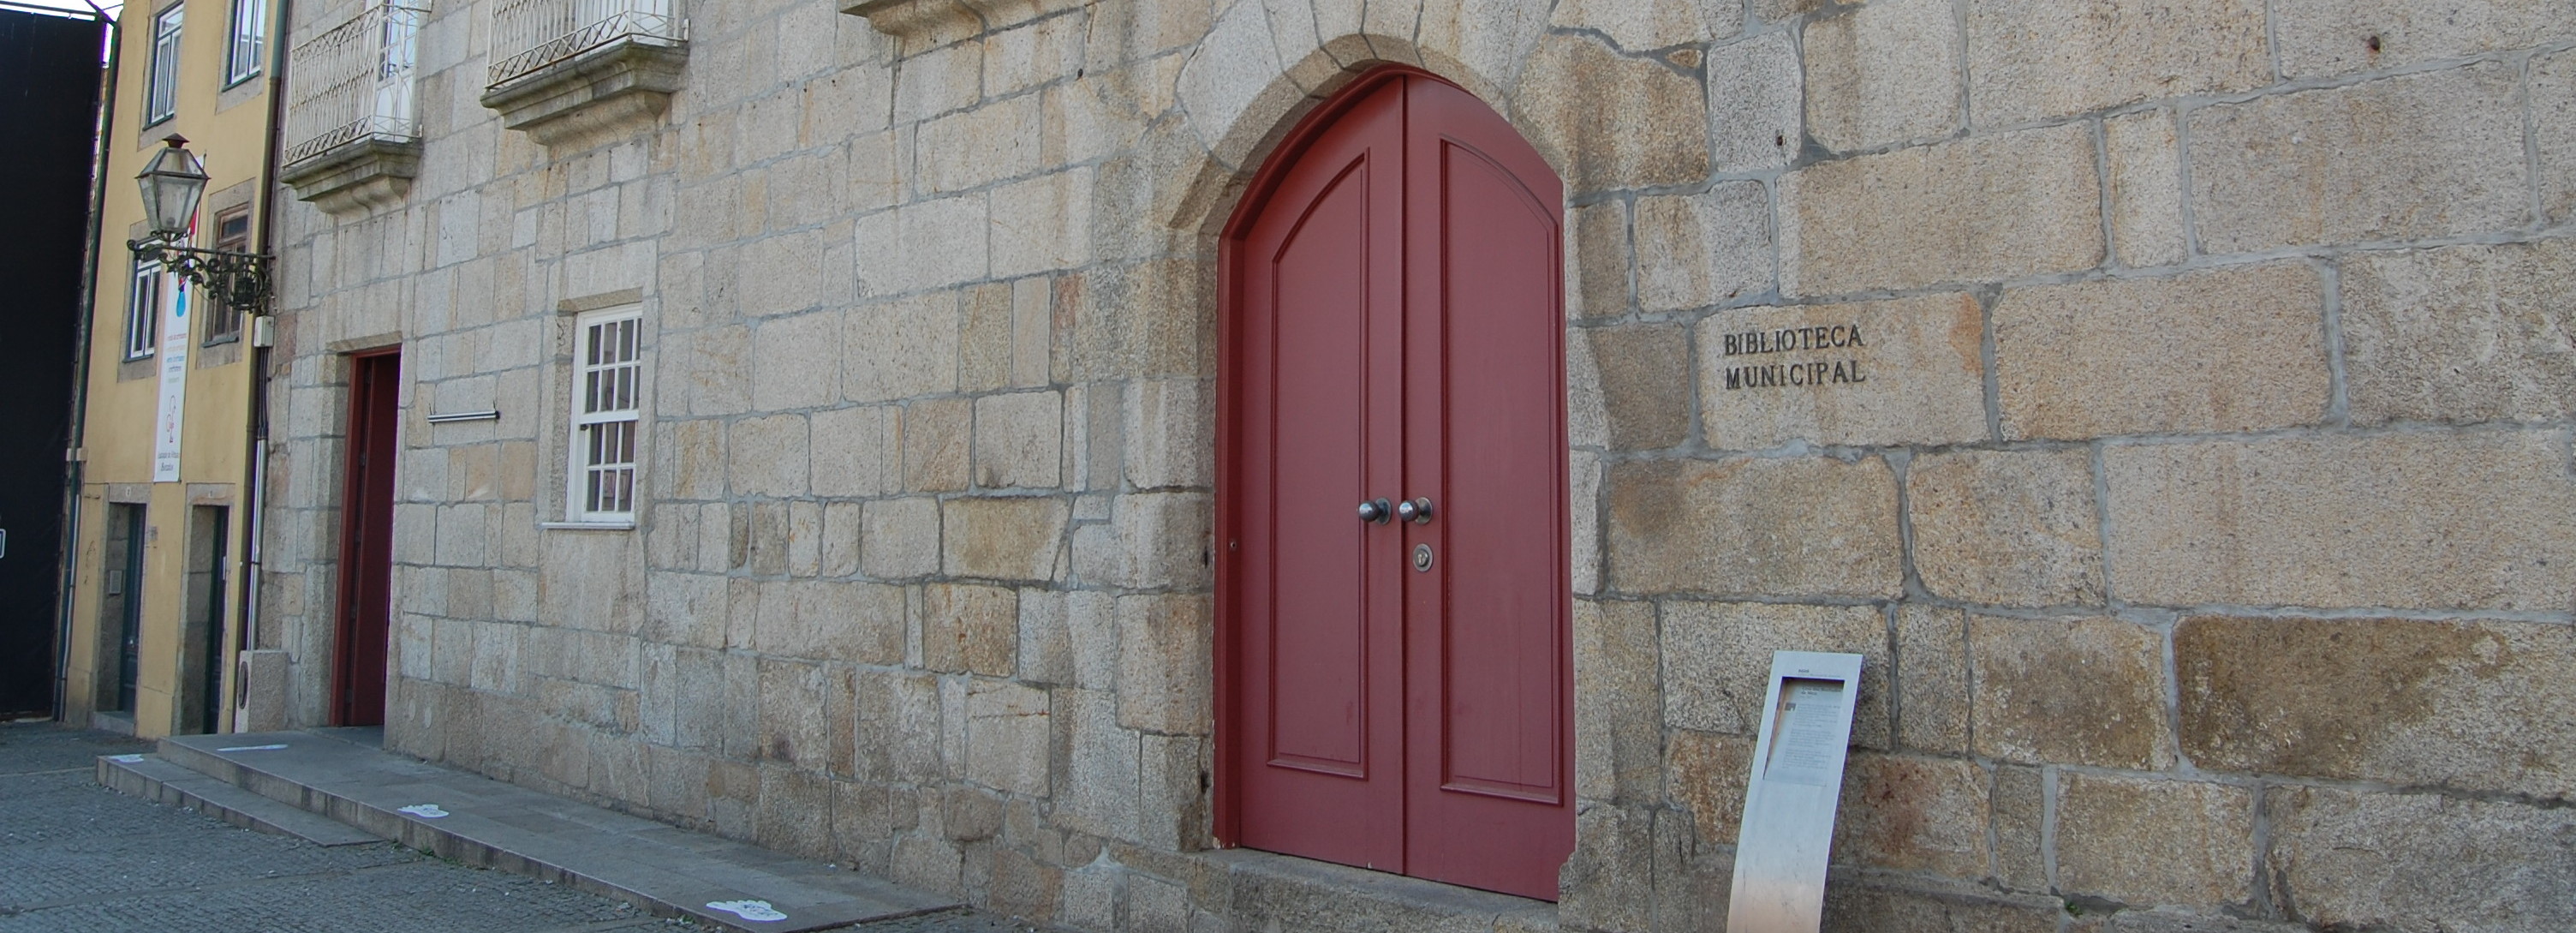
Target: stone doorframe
point(1203, 170)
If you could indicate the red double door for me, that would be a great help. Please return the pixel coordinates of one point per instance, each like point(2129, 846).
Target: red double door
point(1398, 687)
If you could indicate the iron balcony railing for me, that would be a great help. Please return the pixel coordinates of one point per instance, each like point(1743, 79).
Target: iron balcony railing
point(353, 81)
point(530, 34)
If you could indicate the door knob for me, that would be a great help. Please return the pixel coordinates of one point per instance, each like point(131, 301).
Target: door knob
point(1375, 511)
point(1417, 511)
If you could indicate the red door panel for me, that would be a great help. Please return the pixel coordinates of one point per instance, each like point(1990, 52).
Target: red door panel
point(1500, 632)
point(1320, 633)
point(367, 541)
point(1490, 662)
point(1319, 643)
point(1397, 334)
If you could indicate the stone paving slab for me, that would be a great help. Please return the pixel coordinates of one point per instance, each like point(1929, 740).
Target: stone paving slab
point(482, 822)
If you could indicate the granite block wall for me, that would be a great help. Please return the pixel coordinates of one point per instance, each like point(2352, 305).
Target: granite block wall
point(2171, 400)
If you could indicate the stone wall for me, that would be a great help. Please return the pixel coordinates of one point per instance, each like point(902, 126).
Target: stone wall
point(2202, 507)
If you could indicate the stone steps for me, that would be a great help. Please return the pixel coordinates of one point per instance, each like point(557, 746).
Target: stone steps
point(157, 780)
point(341, 774)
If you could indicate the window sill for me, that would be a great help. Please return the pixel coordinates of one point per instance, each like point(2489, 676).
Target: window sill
point(628, 525)
point(611, 89)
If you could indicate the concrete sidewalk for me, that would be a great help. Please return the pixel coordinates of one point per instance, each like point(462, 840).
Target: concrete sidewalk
point(78, 856)
point(343, 773)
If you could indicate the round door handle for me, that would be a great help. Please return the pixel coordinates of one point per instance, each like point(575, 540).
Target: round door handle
point(1417, 511)
point(1375, 511)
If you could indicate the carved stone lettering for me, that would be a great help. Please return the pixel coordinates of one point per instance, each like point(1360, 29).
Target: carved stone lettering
point(1803, 373)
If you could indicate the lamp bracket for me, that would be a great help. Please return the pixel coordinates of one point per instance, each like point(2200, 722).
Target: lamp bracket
point(236, 280)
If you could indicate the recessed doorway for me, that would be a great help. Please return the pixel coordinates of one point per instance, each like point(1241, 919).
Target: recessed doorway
point(366, 540)
point(1396, 672)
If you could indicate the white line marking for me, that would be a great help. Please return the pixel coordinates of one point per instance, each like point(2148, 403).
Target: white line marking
point(748, 910)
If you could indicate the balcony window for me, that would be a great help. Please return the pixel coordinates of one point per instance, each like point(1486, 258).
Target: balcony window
point(353, 82)
point(528, 35)
point(352, 141)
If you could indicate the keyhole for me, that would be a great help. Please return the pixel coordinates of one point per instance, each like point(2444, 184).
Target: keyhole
point(1422, 558)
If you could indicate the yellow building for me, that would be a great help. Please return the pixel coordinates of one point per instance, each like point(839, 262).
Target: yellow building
point(166, 431)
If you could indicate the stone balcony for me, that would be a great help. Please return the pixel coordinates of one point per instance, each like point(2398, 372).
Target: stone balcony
point(353, 141)
point(586, 68)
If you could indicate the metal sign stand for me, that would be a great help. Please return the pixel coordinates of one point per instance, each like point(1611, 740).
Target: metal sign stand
point(1788, 829)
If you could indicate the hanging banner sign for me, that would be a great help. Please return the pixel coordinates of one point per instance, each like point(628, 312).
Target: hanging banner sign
point(174, 386)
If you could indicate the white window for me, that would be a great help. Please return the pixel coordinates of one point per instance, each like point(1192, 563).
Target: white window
point(250, 39)
point(607, 383)
point(161, 95)
point(143, 311)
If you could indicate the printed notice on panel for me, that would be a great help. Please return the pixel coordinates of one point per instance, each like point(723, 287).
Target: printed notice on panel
point(171, 422)
point(1805, 731)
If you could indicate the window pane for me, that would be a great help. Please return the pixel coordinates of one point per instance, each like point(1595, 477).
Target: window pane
point(607, 385)
point(232, 230)
point(232, 233)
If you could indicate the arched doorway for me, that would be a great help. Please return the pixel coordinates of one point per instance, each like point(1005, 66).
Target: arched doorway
point(1396, 674)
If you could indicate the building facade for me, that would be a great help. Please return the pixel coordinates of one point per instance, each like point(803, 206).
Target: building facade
point(924, 435)
point(168, 411)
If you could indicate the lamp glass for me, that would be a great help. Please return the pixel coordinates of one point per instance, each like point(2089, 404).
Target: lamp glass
point(171, 184)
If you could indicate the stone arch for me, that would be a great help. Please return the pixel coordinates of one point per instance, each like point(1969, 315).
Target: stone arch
point(1231, 119)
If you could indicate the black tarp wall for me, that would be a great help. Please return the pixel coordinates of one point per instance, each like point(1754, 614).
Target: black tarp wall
point(49, 85)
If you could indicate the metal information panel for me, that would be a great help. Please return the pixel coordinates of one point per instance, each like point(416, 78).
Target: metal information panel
point(1789, 804)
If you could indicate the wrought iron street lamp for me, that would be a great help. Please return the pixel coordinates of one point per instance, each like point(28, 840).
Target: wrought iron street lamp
point(172, 184)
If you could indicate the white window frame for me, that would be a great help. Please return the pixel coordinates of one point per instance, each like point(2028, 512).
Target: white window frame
point(249, 41)
point(143, 296)
point(161, 89)
point(607, 401)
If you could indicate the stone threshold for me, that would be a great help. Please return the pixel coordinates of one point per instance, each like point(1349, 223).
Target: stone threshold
point(1306, 895)
point(346, 775)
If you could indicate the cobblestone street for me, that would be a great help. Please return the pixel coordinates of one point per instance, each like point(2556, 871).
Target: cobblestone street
point(78, 856)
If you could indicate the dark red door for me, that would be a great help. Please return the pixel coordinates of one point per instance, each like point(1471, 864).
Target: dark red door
point(366, 541)
point(1398, 690)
